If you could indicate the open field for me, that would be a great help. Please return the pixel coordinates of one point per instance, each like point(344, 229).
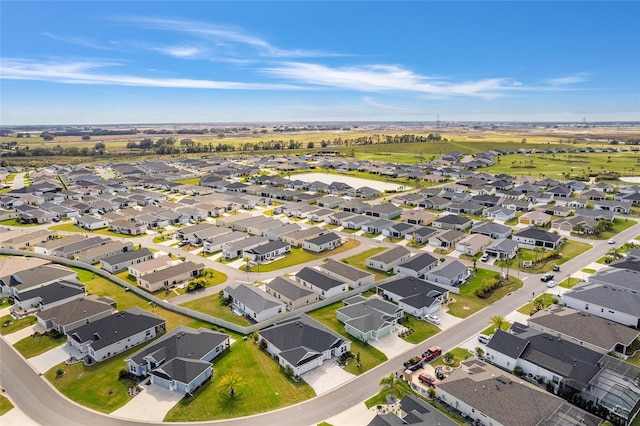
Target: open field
point(467, 303)
point(266, 389)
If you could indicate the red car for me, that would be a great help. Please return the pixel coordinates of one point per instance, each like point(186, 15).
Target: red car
point(427, 380)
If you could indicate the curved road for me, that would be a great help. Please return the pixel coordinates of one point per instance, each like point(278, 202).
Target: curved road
point(45, 405)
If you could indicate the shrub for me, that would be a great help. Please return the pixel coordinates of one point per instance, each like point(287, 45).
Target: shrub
point(518, 371)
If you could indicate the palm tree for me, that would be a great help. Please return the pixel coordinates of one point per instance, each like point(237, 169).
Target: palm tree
point(390, 383)
point(497, 321)
point(231, 382)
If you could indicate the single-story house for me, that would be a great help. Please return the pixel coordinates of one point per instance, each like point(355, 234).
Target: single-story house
point(267, 252)
point(503, 249)
point(414, 296)
point(321, 243)
point(71, 315)
point(120, 262)
point(387, 211)
point(533, 237)
point(386, 260)
point(492, 230)
point(417, 266)
point(254, 303)
point(291, 294)
point(537, 218)
point(452, 221)
point(354, 277)
point(451, 272)
point(369, 319)
point(320, 283)
point(473, 244)
point(171, 276)
point(90, 222)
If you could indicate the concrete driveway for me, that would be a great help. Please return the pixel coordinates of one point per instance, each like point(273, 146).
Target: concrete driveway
point(20, 334)
point(391, 345)
point(152, 404)
point(326, 377)
point(46, 361)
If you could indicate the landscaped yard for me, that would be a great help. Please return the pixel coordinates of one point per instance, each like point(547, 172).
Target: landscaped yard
point(543, 301)
point(568, 251)
point(32, 346)
point(403, 389)
point(14, 325)
point(459, 354)
point(492, 328)
point(569, 282)
point(422, 329)
point(369, 356)
point(359, 259)
point(71, 227)
point(619, 225)
point(14, 222)
point(5, 405)
point(467, 303)
point(299, 256)
point(213, 305)
point(266, 389)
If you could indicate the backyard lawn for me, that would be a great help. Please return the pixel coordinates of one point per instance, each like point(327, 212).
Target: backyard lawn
point(359, 259)
point(71, 227)
point(422, 329)
point(267, 388)
point(369, 356)
point(32, 346)
point(13, 325)
point(213, 305)
point(467, 303)
point(544, 300)
point(299, 256)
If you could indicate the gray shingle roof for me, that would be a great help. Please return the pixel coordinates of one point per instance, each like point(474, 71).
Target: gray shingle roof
point(73, 311)
point(183, 370)
point(288, 288)
point(390, 255)
point(127, 256)
point(54, 292)
point(418, 262)
point(344, 270)
point(318, 279)
point(255, 299)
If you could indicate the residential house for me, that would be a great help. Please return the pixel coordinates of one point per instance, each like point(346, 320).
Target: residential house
point(622, 207)
point(452, 221)
point(377, 226)
point(216, 243)
point(122, 261)
point(170, 277)
point(499, 213)
point(320, 283)
point(386, 260)
point(116, 333)
point(556, 210)
point(109, 249)
point(421, 234)
point(90, 222)
point(267, 252)
point(21, 239)
point(492, 230)
point(321, 243)
point(413, 411)
point(46, 297)
point(354, 277)
point(73, 314)
point(532, 237)
point(579, 224)
point(417, 217)
point(356, 221)
point(236, 249)
point(303, 344)
point(473, 244)
point(127, 227)
point(291, 294)
point(398, 230)
point(181, 359)
point(414, 296)
point(536, 218)
point(275, 233)
point(355, 206)
point(149, 266)
point(387, 211)
point(369, 318)
point(417, 266)
point(446, 240)
point(296, 238)
point(502, 249)
point(38, 276)
point(253, 303)
point(451, 272)
point(596, 214)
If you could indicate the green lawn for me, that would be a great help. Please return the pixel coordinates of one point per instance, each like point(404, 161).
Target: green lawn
point(568, 251)
point(459, 354)
point(619, 225)
point(588, 270)
point(358, 260)
point(33, 346)
point(5, 405)
point(369, 356)
point(381, 397)
point(467, 303)
point(266, 388)
point(98, 386)
point(14, 222)
point(71, 227)
point(189, 181)
point(299, 256)
point(602, 260)
point(492, 328)
point(546, 299)
point(422, 329)
point(569, 282)
point(212, 305)
point(14, 324)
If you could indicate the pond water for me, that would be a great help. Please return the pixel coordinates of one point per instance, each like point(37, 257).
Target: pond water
point(349, 180)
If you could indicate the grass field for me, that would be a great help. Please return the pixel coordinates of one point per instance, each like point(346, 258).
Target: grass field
point(467, 303)
point(33, 346)
point(422, 329)
point(369, 356)
point(5, 405)
point(357, 261)
point(71, 227)
point(189, 181)
point(568, 251)
point(299, 256)
point(569, 282)
point(14, 324)
point(212, 305)
point(545, 299)
point(266, 388)
point(492, 328)
point(14, 222)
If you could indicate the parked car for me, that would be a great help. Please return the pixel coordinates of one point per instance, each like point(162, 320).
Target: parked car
point(552, 284)
point(484, 258)
point(556, 268)
point(612, 241)
point(546, 277)
point(432, 318)
point(440, 374)
point(432, 353)
point(427, 380)
point(484, 339)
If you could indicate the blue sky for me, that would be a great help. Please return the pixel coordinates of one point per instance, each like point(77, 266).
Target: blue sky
point(148, 62)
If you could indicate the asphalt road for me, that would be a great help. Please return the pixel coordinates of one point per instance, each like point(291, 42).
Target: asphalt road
point(44, 405)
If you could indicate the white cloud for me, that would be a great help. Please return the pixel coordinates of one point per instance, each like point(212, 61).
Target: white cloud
point(181, 50)
point(78, 41)
point(570, 79)
point(85, 72)
point(378, 78)
point(371, 101)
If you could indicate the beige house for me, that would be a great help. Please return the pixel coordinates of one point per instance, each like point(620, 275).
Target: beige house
point(296, 238)
point(171, 276)
point(417, 217)
point(18, 239)
point(473, 244)
point(536, 218)
point(290, 293)
point(96, 254)
point(150, 266)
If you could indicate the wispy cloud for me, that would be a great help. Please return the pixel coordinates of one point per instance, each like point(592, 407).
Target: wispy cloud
point(379, 78)
point(226, 37)
point(371, 101)
point(181, 50)
point(79, 41)
point(88, 72)
point(570, 79)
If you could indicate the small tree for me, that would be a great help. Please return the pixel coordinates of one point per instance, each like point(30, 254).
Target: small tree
point(498, 321)
point(232, 382)
point(448, 357)
point(431, 392)
point(479, 352)
point(390, 383)
point(518, 371)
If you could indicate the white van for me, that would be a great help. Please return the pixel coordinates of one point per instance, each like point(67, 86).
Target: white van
point(484, 339)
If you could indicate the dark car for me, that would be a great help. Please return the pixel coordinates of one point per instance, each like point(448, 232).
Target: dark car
point(427, 380)
point(440, 374)
point(546, 277)
point(556, 268)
